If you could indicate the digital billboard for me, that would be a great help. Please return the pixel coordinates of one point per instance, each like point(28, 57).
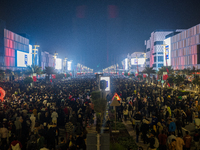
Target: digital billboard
point(107, 79)
point(141, 61)
point(126, 64)
point(24, 59)
point(58, 64)
point(69, 65)
point(167, 51)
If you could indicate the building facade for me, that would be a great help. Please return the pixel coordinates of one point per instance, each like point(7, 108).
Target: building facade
point(137, 61)
point(11, 44)
point(185, 49)
point(155, 48)
point(47, 60)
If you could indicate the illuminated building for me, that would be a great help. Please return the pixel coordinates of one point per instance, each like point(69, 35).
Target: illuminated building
point(154, 48)
point(137, 61)
point(185, 49)
point(11, 45)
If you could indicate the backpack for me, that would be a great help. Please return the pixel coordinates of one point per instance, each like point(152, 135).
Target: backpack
point(172, 127)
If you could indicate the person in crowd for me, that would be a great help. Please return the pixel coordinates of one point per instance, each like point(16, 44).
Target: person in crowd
point(15, 144)
point(187, 140)
point(162, 140)
point(153, 141)
point(54, 117)
point(179, 142)
point(172, 145)
point(69, 128)
point(196, 139)
point(137, 133)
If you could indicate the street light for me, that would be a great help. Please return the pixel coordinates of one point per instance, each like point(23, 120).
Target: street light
point(55, 56)
point(65, 60)
point(35, 52)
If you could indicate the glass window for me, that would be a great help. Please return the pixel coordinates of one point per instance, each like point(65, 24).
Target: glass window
point(155, 59)
point(160, 58)
point(160, 65)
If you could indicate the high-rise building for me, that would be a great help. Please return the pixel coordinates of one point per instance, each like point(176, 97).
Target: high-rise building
point(154, 48)
point(185, 49)
point(13, 47)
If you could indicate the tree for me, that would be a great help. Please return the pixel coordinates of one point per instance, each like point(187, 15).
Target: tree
point(149, 71)
point(170, 79)
point(99, 104)
point(49, 71)
point(28, 80)
point(178, 80)
point(30, 70)
point(164, 69)
point(196, 81)
point(140, 77)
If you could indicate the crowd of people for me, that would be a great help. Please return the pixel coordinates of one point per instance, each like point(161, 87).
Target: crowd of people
point(159, 116)
point(32, 117)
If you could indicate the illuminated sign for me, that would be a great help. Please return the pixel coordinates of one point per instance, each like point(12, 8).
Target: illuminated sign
point(107, 79)
point(69, 65)
point(126, 64)
point(58, 63)
point(141, 61)
point(24, 59)
point(167, 52)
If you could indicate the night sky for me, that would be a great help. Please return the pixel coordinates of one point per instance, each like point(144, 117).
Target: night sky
point(96, 32)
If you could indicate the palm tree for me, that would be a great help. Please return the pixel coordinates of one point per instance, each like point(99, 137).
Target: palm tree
point(178, 80)
point(171, 79)
point(164, 69)
point(149, 71)
point(33, 69)
point(49, 71)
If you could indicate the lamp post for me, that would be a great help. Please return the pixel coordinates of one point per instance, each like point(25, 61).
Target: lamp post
point(35, 52)
point(65, 60)
point(55, 56)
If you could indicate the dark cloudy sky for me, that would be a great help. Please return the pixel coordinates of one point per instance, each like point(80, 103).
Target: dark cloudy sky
point(96, 32)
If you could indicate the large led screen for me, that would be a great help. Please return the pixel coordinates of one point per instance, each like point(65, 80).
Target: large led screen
point(58, 63)
point(167, 51)
point(24, 59)
point(126, 64)
point(141, 61)
point(108, 82)
point(69, 65)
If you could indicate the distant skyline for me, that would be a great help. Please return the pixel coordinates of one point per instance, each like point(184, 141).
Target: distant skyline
point(96, 32)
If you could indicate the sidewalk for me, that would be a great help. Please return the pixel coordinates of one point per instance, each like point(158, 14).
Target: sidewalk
point(132, 133)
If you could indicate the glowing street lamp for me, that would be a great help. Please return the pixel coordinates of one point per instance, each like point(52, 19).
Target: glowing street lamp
point(35, 52)
point(55, 56)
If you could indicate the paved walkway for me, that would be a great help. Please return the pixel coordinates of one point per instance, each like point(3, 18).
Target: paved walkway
point(132, 133)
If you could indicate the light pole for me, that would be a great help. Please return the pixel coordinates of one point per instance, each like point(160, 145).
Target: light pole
point(145, 57)
point(35, 52)
point(55, 56)
point(65, 60)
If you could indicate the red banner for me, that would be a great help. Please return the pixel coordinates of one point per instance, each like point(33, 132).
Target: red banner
point(53, 76)
point(34, 78)
point(165, 77)
point(144, 75)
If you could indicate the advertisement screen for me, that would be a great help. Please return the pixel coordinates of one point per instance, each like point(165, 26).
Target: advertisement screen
point(126, 64)
point(107, 79)
point(24, 59)
point(58, 63)
point(141, 61)
point(69, 65)
point(167, 51)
